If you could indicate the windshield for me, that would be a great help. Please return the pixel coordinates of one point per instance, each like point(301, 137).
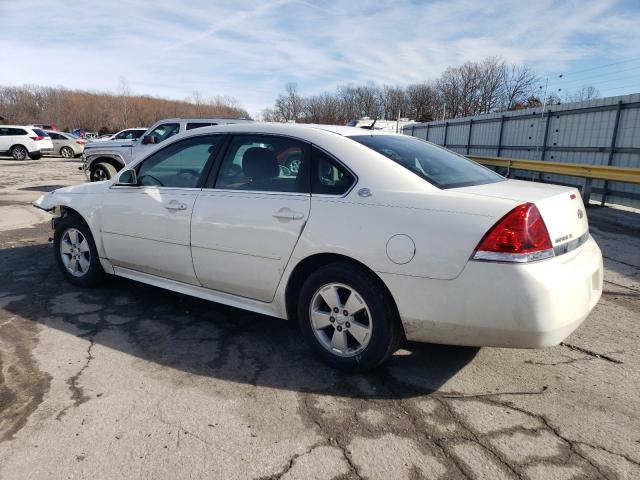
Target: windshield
point(438, 166)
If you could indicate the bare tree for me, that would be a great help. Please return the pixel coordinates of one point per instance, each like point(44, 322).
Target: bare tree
point(519, 83)
point(586, 92)
point(92, 111)
point(422, 100)
point(289, 105)
point(393, 102)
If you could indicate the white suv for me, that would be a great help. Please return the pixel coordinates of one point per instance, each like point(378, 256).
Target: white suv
point(20, 142)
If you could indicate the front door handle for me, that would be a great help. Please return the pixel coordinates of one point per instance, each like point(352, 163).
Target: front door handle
point(175, 205)
point(288, 214)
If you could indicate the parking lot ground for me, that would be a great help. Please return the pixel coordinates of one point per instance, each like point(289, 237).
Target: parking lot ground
point(130, 381)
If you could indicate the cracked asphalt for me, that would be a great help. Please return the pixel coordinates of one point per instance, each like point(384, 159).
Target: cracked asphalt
point(130, 381)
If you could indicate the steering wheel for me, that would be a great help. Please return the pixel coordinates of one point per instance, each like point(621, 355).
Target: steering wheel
point(153, 179)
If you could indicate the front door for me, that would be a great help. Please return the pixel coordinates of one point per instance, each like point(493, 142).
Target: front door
point(146, 227)
point(246, 224)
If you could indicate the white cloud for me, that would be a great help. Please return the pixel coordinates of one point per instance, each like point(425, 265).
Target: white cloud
point(249, 52)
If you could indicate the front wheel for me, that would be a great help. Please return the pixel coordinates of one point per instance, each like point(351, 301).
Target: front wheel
point(348, 317)
point(76, 253)
point(102, 171)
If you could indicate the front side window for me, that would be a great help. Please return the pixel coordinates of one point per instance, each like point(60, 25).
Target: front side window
point(264, 163)
point(124, 135)
point(180, 165)
point(164, 131)
point(436, 165)
point(327, 176)
point(56, 136)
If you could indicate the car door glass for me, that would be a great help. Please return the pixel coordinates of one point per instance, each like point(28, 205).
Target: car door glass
point(191, 126)
point(179, 165)
point(164, 131)
point(328, 177)
point(263, 163)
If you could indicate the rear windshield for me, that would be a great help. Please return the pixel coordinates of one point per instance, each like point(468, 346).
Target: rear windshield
point(40, 133)
point(438, 166)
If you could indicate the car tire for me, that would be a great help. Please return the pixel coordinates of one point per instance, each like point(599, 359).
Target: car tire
point(355, 341)
point(67, 152)
point(102, 171)
point(19, 152)
point(35, 156)
point(76, 253)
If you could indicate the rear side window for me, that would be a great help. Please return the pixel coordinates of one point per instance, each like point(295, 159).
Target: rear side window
point(191, 126)
point(17, 131)
point(264, 163)
point(436, 165)
point(328, 177)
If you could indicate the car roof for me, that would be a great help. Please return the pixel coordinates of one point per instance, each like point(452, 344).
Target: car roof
point(294, 129)
point(17, 126)
point(204, 119)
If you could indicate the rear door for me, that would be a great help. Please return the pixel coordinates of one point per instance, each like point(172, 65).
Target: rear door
point(247, 221)
point(5, 140)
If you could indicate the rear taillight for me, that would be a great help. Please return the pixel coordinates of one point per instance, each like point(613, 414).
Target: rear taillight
point(81, 142)
point(37, 139)
point(519, 236)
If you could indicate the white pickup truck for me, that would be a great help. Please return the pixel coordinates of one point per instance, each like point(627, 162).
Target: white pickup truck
point(101, 160)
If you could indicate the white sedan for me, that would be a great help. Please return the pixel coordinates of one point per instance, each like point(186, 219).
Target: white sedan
point(361, 236)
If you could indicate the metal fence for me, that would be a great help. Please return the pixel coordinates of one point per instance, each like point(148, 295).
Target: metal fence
point(598, 132)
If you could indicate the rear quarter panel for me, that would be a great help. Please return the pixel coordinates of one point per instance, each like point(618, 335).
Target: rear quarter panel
point(445, 228)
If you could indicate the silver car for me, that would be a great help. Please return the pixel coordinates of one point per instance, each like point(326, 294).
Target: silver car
point(66, 145)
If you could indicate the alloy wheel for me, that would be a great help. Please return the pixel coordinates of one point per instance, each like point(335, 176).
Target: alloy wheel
point(75, 252)
point(66, 152)
point(340, 319)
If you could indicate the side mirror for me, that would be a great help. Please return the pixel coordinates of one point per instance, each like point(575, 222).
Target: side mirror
point(149, 139)
point(128, 178)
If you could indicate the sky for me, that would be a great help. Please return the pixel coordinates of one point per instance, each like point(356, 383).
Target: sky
point(249, 50)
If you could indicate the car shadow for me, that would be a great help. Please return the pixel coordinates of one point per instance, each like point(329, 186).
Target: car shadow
point(204, 338)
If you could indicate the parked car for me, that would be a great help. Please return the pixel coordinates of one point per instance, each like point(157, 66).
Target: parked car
point(67, 145)
point(127, 134)
point(21, 142)
point(103, 159)
point(377, 236)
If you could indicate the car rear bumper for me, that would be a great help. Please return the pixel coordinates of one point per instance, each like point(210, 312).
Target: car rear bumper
point(502, 305)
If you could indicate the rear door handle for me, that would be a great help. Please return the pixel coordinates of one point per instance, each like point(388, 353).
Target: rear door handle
point(175, 205)
point(288, 214)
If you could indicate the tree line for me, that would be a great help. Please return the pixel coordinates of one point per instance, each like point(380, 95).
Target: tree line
point(489, 85)
point(103, 112)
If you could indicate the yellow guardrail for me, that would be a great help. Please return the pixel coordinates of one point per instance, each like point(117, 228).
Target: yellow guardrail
point(594, 172)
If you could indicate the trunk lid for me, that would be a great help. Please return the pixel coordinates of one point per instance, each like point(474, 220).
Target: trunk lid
point(561, 207)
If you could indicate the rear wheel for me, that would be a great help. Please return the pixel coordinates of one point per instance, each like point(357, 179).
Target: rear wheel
point(67, 152)
point(76, 253)
point(102, 171)
point(348, 317)
point(19, 152)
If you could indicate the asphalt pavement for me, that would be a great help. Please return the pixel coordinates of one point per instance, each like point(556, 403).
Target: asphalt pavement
point(131, 381)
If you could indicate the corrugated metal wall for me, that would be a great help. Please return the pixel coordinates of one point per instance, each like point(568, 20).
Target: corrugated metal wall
point(580, 132)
